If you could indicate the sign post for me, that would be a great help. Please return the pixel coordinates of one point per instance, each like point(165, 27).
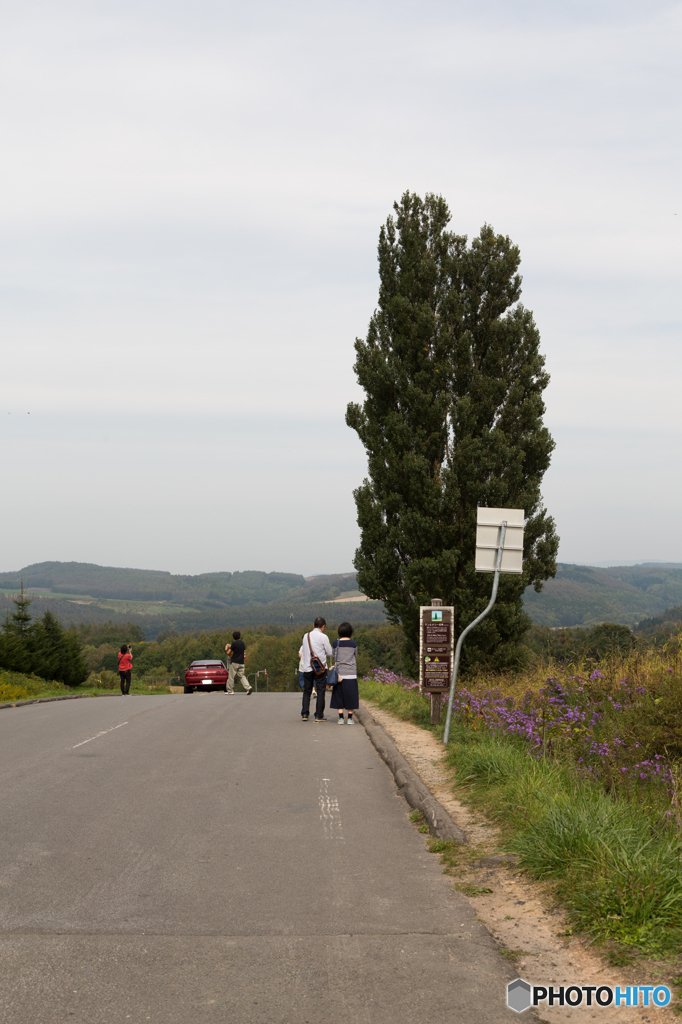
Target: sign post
point(436, 643)
point(499, 548)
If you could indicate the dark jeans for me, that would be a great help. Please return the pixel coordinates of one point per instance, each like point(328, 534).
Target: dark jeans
point(125, 680)
point(320, 684)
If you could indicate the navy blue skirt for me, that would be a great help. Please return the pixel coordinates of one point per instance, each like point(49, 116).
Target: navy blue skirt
point(345, 695)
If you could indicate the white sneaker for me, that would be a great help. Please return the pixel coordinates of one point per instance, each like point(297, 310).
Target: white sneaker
point(341, 721)
point(350, 721)
point(314, 693)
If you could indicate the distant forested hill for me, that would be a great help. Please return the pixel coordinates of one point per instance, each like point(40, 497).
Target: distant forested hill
point(207, 590)
point(79, 592)
point(582, 595)
point(156, 618)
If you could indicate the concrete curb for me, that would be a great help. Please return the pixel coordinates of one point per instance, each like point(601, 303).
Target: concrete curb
point(409, 783)
point(47, 700)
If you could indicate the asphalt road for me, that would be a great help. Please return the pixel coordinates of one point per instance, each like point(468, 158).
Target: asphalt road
point(208, 858)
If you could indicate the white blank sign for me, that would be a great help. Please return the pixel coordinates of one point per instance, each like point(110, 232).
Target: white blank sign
point(488, 525)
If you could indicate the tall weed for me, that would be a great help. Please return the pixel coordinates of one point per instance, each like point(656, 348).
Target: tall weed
point(617, 864)
point(17, 686)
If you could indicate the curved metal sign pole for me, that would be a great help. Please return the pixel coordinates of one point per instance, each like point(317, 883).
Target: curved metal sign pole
point(458, 649)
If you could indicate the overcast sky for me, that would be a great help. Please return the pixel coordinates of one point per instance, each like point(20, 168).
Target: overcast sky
point(190, 198)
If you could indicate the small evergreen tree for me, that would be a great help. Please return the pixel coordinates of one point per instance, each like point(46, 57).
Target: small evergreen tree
point(15, 646)
point(452, 419)
point(42, 647)
point(57, 653)
point(19, 621)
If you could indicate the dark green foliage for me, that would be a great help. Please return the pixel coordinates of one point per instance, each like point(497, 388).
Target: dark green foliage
point(165, 634)
point(19, 621)
point(116, 633)
point(43, 647)
point(57, 653)
point(15, 646)
point(14, 652)
point(110, 661)
point(572, 646)
point(379, 647)
point(667, 622)
point(452, 420)
point(584, 595)
point(610, 638)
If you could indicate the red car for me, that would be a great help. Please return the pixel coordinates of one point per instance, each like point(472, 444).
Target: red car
point(206, 675)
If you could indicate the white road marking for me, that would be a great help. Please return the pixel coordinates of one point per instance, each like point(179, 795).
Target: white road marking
point(330, 814)
point(97, 735)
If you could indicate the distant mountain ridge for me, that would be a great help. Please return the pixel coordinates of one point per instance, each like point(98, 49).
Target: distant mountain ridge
point(580, 595)
point(206, 590)
point(584, 595)
point(629, 565)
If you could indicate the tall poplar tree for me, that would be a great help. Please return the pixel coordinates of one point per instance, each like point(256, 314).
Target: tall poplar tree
point(452, 419)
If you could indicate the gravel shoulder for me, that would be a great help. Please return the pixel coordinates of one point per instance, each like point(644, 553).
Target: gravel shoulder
point(519, 913)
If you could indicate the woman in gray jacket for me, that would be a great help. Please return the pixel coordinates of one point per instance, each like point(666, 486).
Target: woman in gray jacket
point(345, 696)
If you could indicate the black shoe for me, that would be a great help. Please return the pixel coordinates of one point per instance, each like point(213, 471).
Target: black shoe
point(304, 718)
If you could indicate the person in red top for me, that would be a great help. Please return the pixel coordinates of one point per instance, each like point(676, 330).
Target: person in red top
point(125, 667)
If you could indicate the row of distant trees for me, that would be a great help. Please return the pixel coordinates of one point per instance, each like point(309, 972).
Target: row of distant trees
point(273, 648)
point(41, 646)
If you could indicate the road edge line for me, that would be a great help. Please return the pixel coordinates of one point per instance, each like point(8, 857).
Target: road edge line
point(46, 700)
point(409, 782)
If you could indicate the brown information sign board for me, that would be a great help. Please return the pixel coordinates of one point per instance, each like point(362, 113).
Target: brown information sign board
point(436, 645)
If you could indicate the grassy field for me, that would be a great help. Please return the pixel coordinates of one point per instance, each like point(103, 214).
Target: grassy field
point(15, 686)
point(582, 769)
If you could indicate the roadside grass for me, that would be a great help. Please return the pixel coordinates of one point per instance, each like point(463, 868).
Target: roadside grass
point(408, 705)
point(15, 686)
point(108, 682)
point(582, 772)
point(615, 863)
